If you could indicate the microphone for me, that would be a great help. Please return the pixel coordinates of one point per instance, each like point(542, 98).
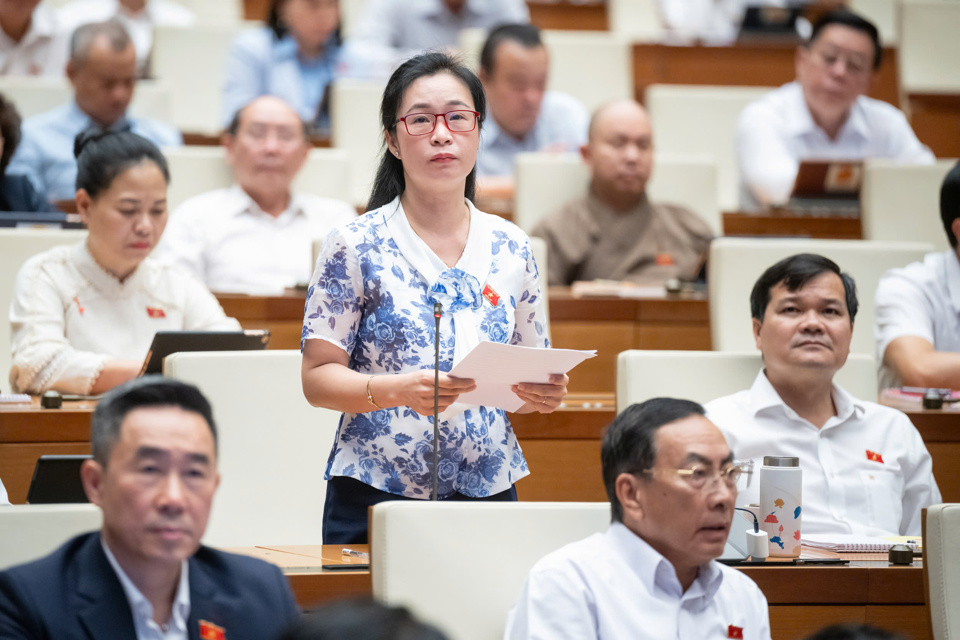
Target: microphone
point(437, 313)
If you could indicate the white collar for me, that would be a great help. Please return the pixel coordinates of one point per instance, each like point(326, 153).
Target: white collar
point(98, 276)
point(764, 396)
point(240, 202)
point(800, 121)
point(140, 607)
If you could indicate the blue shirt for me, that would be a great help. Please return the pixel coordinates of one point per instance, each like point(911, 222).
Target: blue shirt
point(367, 298)
point(259, 64)
point(561, 126)
point(45, 153)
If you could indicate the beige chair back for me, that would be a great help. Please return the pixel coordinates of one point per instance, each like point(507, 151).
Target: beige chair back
point(941, 561)
point(273, 446)
point(355, 128)
point(929, 46)
point(602, 56)
point(35, 95)
point(452, 565)
point(31, 531)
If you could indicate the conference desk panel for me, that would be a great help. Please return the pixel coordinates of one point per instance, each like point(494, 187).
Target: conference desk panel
point(784, 223)
point(608, 324)
point(935, 119)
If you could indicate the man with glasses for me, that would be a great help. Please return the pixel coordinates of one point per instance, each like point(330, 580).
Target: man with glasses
point(865, 468)
point(672, 484)
point(255, 237)
point(823, 115)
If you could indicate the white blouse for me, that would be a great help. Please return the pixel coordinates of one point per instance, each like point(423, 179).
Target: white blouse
point(69, 317)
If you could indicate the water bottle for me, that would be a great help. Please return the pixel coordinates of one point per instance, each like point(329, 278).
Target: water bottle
point(780, 504)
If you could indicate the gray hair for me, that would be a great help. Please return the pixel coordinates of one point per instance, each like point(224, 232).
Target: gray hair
point(83, 38)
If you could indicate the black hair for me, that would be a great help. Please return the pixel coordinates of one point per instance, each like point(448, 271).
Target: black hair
point(10, 130)
point(234, 127)
point(525, 35)
point(389, 181)
point(103, 155)
point(279, 29)
point(361, 619)
point(149, 391)
point(949, 202)
point(794, 272)
point(849, 19)
point(629, 444)
point(854, 631)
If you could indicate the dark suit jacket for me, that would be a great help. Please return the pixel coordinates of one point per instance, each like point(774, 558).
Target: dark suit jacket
point(17, 194)
point(74, 594)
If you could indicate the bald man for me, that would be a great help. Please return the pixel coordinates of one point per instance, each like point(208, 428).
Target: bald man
point(257, 236)
point(614, 232)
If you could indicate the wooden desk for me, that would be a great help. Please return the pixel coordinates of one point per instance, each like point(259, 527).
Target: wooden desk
point(788, 224)
point(936, 121)
point(610, 325)
point(801, 599)
point(739, 65)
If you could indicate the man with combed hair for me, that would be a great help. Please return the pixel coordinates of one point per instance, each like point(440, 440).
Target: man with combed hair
point(823, 115)
point(672, 484)
point(865, 468)
point(257, 236)
point(614, 232)
point(521, 114)
point(918, 310)
point(102, 71)
point(32, 42)
point(145, 574)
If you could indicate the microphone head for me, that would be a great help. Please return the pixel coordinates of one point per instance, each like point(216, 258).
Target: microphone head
point(437, 309)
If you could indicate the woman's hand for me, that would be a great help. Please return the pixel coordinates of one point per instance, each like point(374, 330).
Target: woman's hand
point(415, 390)
point(543, 397)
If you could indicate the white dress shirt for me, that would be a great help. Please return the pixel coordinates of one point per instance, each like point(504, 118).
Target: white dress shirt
point(922, 300)
point(614, 586)
point(142, 610)
point(776, 133)
point(156, 13)
point(389, 31)
point(4, 499)
point(231, 245)
point(844, 490)
point(714, 22)
point(561, 126)
point(42, 51)
point(69, 317)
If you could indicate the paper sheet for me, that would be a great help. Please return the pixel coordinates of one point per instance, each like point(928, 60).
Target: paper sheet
point(495, 367)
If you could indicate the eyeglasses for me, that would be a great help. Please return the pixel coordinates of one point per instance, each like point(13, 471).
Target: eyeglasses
point(854, 64)
point(459, 121)
point(702, 476)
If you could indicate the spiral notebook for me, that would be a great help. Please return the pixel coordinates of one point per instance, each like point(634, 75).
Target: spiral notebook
point(850, 543)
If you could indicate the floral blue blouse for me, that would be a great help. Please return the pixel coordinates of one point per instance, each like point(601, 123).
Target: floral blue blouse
point(372, 294)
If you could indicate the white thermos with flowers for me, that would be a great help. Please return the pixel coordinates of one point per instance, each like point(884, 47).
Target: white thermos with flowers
point(781, 487)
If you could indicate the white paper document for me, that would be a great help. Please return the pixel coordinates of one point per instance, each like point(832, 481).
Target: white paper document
point(495, 367)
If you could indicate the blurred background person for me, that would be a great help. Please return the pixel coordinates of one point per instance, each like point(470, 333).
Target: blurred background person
point(293, 57)
point(32, 42)
point(614, 232)
point(83, 316)
point(102, 70)
point(257, 236)
point(362, 620)
point(390, 31)
point(139, 17)
point(16, 192)
point(521, 114)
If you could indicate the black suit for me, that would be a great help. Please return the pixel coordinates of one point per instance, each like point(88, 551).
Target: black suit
point(74, 594)
point(17, 194)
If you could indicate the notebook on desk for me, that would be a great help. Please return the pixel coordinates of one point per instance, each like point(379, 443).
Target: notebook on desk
point(827, 188)
point(167, 342)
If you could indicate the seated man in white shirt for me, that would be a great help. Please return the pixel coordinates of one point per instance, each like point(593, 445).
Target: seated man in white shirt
point(672, 484)
point(866, 471)
point(521, 114)
point(823, 115)
point(257, 236)
point(918, 310)
point(31, 40)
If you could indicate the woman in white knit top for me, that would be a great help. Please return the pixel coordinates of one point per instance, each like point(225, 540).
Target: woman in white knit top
point(83, 316)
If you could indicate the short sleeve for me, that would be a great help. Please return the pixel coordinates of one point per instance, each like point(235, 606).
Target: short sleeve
point(530, 328)
point(767, 166)
point(901, 309)
point(334, 299)
point(553, 605)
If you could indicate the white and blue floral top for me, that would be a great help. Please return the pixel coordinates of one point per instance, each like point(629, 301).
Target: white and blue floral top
point(372, 294)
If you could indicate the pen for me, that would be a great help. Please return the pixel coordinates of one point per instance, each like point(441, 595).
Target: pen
point(353, 553)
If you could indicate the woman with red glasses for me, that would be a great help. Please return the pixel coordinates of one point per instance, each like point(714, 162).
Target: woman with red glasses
point(368, 334)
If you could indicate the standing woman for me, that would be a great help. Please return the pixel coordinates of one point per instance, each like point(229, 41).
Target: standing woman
point(294, 58)
point(368, 335)
point(83, 316)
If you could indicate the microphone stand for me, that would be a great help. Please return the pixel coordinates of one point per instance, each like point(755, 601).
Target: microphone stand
point(437, 312)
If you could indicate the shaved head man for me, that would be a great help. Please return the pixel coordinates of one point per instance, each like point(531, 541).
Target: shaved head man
point(614, 231)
